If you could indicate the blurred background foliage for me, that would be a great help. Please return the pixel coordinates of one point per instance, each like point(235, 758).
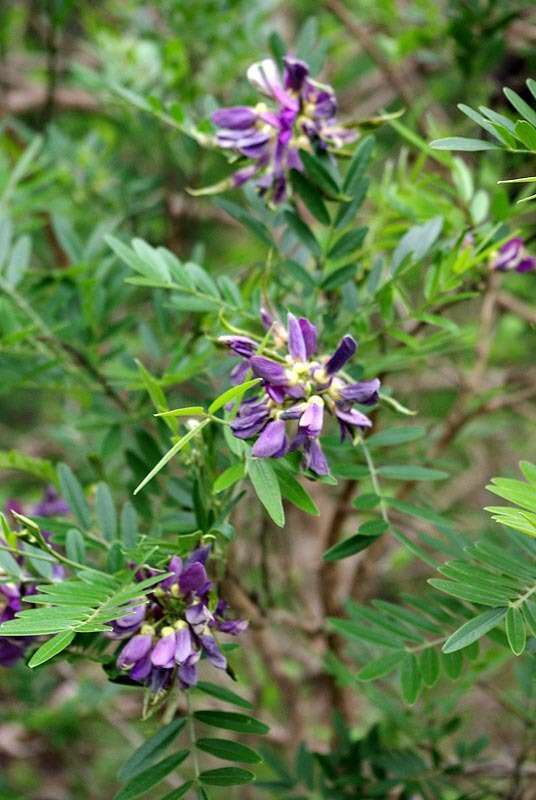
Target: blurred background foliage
point(77, 162)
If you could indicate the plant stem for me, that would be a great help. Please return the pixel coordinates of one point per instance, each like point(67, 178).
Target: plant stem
point(191, 730)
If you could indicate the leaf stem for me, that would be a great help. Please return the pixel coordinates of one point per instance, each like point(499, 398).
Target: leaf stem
point(375, 482)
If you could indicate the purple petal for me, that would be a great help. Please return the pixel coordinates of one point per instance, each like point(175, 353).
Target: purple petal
point(271, 440)
point(233, 626)
point(526, 264)
point(296, 72)
point(197, 614)
point(141, 669)
point(175, 566)
point(353, 418)
point(164, 651)
point(137, 648)
point(198, 556)
point(184, 646)
point(312, 419)
point(364, 392)
point(235, 117)
point(315, 459)
point(238, 374)
point(242, 176)
point(10, 652)
point(268, 370)
point(344, 351)
point(188, 670)
point(160, 679)
point(213, 652)
point(241, 345)
point(296, 342)
point(51, 504)
point(193, 579)
point(309, 336)
point(134, 618)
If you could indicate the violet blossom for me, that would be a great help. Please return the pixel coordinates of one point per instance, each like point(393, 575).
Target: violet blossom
point(302, 116)
point(13, 594)
point(166, 638)
point(513, 256)
point(297, 389)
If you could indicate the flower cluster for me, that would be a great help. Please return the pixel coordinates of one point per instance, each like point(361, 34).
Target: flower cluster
point(302, 118)
point(296, 389)
point(12, 595)
point(168, 636)
point(513, 256)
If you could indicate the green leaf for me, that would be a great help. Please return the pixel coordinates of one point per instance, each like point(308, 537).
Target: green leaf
point(149, 751)
point(347, 244)
point(409, 472)
point(349, 547)
point(390, 437)
point(234, 393)
point(410, 678)
point(176, 794)
point(515, 630)
point(527, 133)
point(222, 693)
point(19, 261)
point(229, 751)
point(105, 510)
point(256, 227)
point(151, 776)
point(461, 143)
point(226, 776)
point(74, 495)
point(265, 483)
point(319, 174)
point(380, 667)
point(520, 105)
point(529, 471)
point(75, 546)
point(51, 648)
point(358, 165)
point(187, 411)
point(452, 664)
point(338, 277)
point(365, 633)
point(303, 233)
point(366, 502)
point(129, 525)
point(473, 630)
point(475, 594)
point(228, 478)
point(310, 196)
point(429, 664)
point(231, 721)
point(177, 447)
point(40, 467)
point(87, 605)
point(292, 490)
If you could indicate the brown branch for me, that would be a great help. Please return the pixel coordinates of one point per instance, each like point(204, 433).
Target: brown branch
point(518, 307)
point(33, 98)
point(393, 75)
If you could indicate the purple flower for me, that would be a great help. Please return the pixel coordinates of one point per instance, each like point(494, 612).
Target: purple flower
point(166, 638)
point(512, 255)
point(302, 117)
point(296, 391)
point(51, 504)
